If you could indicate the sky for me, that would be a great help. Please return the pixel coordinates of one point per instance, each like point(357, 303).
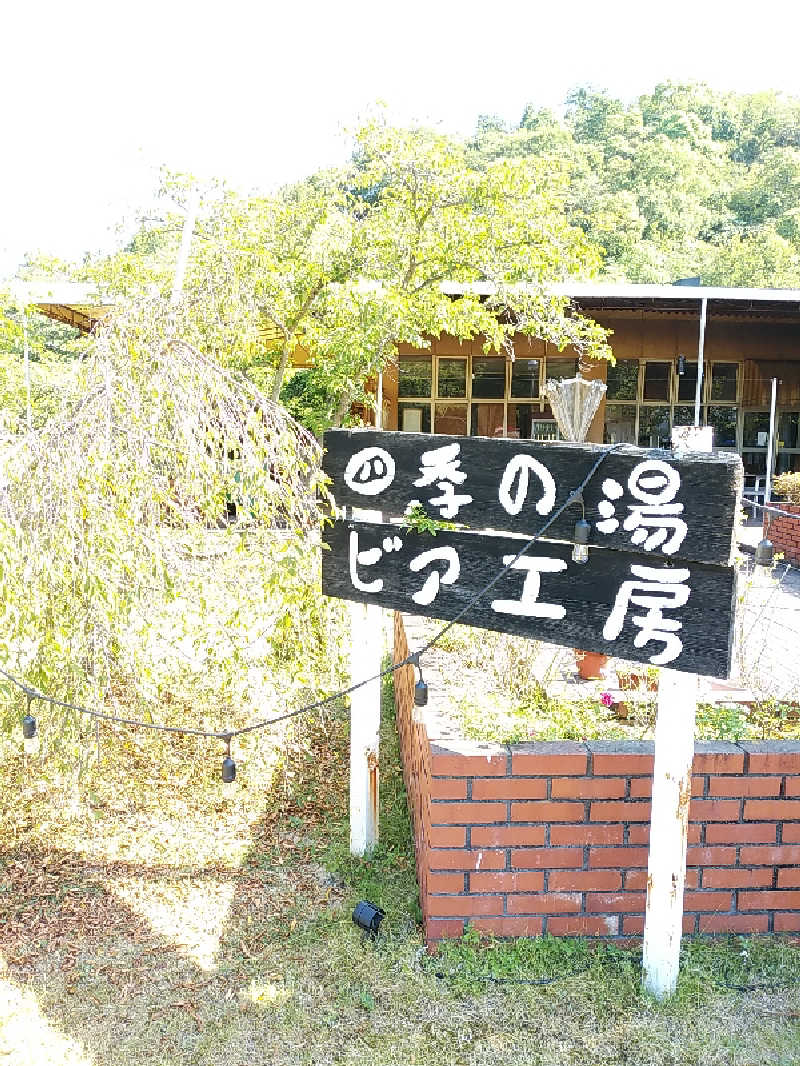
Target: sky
point(97, 96)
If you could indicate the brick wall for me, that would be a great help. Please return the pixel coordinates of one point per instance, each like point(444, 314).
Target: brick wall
point(784, 532)
point(553, 837)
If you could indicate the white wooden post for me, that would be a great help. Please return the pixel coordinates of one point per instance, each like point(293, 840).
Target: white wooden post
point(666, 867)
point(366, 650)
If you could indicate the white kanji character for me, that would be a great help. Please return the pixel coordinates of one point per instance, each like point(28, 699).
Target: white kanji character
point(369, 471)
point(528, 604)
point(656, 484)
point(612, 490)
point(441, 464)
point(429, 591)
point(367, 557)
point(656, 590)
point(449, 503)
point(518, 469)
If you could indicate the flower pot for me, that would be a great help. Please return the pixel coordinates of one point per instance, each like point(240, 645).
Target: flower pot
point(591, 664)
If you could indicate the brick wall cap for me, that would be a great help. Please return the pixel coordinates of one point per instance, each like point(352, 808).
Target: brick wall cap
point(778, 747)
point(473, 748)
point(621, 747)
point(550, 747)
point(717, 747)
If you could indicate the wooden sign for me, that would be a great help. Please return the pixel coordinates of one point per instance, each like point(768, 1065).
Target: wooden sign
point(645, 501)
point(647, 610)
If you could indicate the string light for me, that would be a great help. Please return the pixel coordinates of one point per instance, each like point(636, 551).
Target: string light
point(30, 738)
point(228, 765)
point(681, 365)
point(580, 550)
point(765, 552)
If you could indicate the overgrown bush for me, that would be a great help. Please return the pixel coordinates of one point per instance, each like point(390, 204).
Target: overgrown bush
point(788, 485)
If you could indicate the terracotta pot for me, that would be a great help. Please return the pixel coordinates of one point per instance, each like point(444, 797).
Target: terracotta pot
point(591, 664)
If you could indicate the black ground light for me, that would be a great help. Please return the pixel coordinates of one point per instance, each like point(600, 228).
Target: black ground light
point(368, 917)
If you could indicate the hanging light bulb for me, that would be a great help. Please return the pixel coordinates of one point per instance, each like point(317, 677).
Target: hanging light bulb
point(228, 766)
point(420, 689)
point(30, 735)
point(580, 550)
point(765, 552)
point(681, 365)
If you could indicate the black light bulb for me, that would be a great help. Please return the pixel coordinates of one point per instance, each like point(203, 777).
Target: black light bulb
point(420, 693)
point(228, 770)
point(681, 365)
point(28, 727)
point(580, 552)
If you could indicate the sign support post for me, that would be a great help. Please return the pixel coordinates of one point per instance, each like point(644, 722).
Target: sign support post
point(669, 820)
point(366, 647)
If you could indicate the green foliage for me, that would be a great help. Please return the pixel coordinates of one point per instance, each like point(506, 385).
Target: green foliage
point(418, 520)
point(788, 486)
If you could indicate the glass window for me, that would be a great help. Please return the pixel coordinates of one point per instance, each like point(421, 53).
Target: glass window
point(754, 463)
point(561, 368)
point(520, 416)
point(756, 429)
point(687, 381)
point(788, 435)
point(656, 381)
point(683, 415)
point(524, 378)
point(414, 375)
point(489, 378)
point(723, 381)
point(723, 419)
point(486, 420)
point(414, 417)
point(451, 418)
point(654, 427)
point(622, 380)
point(787, 463)
point(453, 378)
point(620, 423)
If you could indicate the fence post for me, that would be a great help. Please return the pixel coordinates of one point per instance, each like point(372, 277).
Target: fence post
point(669, 821)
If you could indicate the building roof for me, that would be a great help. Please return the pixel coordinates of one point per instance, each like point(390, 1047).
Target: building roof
point(73, 302)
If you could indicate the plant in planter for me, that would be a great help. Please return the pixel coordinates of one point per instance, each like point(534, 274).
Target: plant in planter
point(591, 664)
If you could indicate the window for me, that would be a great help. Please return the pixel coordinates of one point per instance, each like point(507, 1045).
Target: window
point(414, 375)
point(452, 378)
point(656, 381)
point(520, 418)
point(414, 417)
point(654, 427)
point(488, 378)
point(487, 420)
point(451, 419)
point(622, 381)
point(723, 420)
point(687, 382)
point(620, 426)
point(525, 378)
point(724, 379)
point(561, 368)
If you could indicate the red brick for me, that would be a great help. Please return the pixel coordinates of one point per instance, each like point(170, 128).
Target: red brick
point(467, 813)
point(791, 834)
point(547, 903)
point(615, 901)
point(510, 926)
point(710, 762)
point(584, 880)
point(640, 834)
point(774, 808)
point(618, 811)
point(584, 925)
point(633, 924)
point(587, 787)
point(501, 836)
point(545, 811)
point(779, 855)
point(734, 923)
point(710, 856)
point(609, 762)
point(785, 923)
point(774, 762)
point(461, 859)
point(707, 901)
point(714, 810)
point(449, 788)
point(549, 765)
point(546, 858)
point(468, 765)
point(436, 928)
point(615, 858)
point(448, 836)
point(506, 882)
point(744, 786)
point(586, 834)
point(769, 901)
point(485, 788)
point(788, 877)
point(636, 880)
point(755, 833)
point(715, 878)
point(446, 882)
point(792, 786)
point(450, 906)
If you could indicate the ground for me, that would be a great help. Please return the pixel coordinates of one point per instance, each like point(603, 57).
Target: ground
point(149, 917)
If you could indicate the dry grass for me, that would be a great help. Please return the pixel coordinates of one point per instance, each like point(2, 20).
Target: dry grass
point(148, 918)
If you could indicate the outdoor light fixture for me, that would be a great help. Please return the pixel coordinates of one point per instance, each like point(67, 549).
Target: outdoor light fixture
point(30, 739)
point(368, 917)
point(420, 689)
point(228, 766)
point(580, 550)
point(681, 365)
point(765, 552)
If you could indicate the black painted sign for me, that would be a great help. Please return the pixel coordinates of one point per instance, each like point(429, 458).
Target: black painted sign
point(668, 613)
point(646, 501)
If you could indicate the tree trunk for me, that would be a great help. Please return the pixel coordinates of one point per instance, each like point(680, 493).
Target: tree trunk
point(277, 381)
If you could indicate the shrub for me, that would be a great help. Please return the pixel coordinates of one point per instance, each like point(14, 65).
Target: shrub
point(788, 485)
